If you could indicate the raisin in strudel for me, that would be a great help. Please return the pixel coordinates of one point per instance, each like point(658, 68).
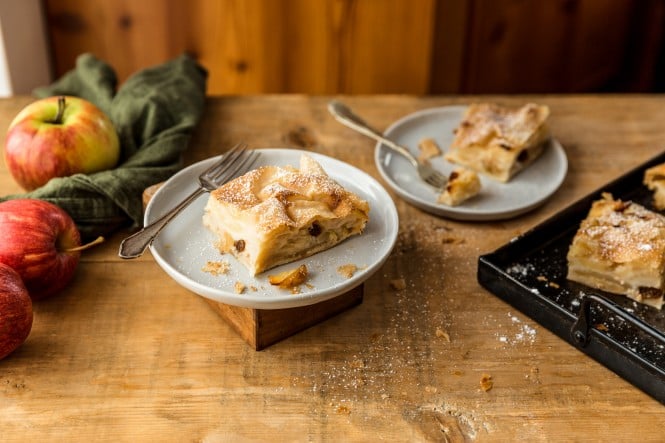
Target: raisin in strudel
point(275, 215)
point(499, 142)
point(620, 248)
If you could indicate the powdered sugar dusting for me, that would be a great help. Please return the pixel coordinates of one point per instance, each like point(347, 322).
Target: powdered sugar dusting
point(410, 357)
point(521, 332)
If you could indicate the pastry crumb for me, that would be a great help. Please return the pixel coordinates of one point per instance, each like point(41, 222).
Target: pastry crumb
point(343, 410)
point(442, 334)
point(551, 284)
point(398, 284)
point(290, 279)
point(486, 382)
point(239, 287)
point(453, 241)
point(428, 149)
point(216, 268)
point(347, 270)
point(462, 185)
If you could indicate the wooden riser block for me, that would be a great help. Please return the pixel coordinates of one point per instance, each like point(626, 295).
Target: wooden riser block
point(261, 328)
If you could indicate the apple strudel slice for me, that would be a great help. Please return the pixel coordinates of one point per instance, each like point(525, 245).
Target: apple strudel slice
point(275, 215)
point(620, 248)
point(498, 141)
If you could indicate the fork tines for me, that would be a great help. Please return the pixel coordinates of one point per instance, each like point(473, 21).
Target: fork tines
point(237, 159)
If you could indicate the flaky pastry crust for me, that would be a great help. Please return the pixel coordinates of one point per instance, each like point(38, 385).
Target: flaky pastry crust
point(275, 215)
point(498, 141)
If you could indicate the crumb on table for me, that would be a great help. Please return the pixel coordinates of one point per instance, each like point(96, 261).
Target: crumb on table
point(486, 382)
point(442, 334)
point(398, 284)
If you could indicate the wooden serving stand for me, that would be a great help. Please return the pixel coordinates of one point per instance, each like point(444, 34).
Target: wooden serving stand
point(261, 328)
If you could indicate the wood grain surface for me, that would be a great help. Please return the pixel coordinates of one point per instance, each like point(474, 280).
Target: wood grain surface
point(126, 354)
point(373, 46)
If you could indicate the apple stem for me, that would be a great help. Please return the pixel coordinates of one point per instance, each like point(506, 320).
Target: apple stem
point(61, 110)
point(96, 241)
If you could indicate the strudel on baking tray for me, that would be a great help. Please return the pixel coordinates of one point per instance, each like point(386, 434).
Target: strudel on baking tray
point(654, 179)
point(620, 248)
point(275, 215)
point(498, 141)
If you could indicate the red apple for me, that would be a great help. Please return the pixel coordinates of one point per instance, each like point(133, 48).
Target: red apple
point(59, 137)
point(40, 242)
point(15, 311)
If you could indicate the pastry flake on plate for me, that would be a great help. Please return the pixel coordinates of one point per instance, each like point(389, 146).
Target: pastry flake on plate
point(498, 141)
point(275, 215)
point(428, 149)
point(462, 185)
point(620, 248)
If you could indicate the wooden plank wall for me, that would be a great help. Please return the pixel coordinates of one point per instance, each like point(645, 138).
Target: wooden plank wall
point(372, 46)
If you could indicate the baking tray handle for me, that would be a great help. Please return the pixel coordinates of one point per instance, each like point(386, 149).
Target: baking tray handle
point(581, 329)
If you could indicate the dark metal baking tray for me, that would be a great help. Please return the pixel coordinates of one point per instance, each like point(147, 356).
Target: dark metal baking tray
point(529, 273)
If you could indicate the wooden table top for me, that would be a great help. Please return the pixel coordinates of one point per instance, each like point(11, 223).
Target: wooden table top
point(126, 354)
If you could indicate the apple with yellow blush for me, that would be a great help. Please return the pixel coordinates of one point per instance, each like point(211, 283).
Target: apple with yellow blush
point(59, 136)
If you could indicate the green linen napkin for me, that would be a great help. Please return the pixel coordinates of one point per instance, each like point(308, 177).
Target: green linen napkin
point(154, 112)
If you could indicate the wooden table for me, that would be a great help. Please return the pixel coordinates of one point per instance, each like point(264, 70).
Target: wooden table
point(126, 354)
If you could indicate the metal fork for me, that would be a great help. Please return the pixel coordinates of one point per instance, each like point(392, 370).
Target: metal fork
point(426, 172)
point(236, 161)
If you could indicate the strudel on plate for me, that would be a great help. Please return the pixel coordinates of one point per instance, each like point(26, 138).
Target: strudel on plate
point(498, 141)
point(620, 248)
point(275, 215)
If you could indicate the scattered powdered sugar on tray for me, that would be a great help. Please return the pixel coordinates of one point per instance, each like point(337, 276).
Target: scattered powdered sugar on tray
point(520, 269)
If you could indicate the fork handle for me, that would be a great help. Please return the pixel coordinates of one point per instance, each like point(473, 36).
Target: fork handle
point(135, 245)
point(345, 116)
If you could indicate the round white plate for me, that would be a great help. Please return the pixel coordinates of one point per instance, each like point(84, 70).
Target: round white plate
point(496, 201)
point(185, 246)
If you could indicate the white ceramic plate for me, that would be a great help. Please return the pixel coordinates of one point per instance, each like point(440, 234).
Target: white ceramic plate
point(185, 246)
point(496, 201)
